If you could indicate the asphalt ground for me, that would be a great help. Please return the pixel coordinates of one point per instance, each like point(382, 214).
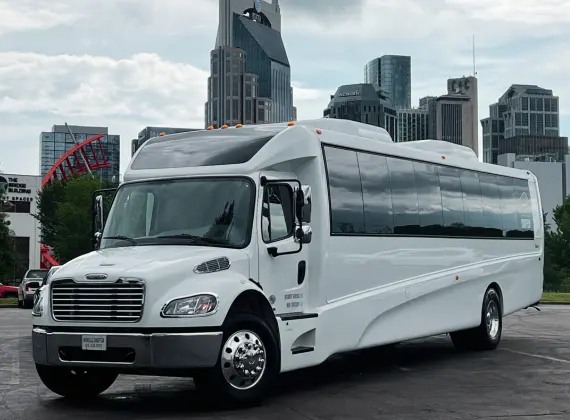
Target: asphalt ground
point(527, 377)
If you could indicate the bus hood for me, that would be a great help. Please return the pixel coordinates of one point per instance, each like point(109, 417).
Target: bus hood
point(151, 263)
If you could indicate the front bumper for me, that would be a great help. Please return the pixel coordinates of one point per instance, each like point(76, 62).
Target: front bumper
point(128, 350)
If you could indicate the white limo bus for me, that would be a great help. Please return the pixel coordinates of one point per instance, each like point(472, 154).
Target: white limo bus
point(230, 255)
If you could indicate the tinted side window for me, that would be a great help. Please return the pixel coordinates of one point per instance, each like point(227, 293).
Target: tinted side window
point(451, 201)
point(347, 207)
point(277, 213)
point(404, 196)
point(491, 204)
point(378, 215)
point(508, 206)
point(522, 195)
point(472, 205)
point(429, 199)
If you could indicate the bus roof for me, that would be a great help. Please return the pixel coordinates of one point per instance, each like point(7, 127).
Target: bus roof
point(239, 150)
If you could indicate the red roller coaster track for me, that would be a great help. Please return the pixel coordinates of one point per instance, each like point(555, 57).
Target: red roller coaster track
point(73, 162)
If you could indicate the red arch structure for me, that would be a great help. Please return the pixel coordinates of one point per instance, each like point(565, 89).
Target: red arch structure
point(73, 162)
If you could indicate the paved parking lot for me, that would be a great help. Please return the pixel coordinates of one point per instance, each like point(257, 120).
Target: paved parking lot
point(527, 378)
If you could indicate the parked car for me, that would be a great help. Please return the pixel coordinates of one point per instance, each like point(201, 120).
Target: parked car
point(45, 281)
point(8, 291)
point(30, 283)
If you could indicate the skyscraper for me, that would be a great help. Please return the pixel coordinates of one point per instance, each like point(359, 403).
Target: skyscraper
point(392, 74)
point(250, 78)
point(525, 112)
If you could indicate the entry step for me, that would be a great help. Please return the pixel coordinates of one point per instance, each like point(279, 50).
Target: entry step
point(302, 349)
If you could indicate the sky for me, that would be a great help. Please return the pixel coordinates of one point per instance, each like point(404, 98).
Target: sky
point(128, 64)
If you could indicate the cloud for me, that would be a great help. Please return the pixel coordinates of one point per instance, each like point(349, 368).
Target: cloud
point(23, 15)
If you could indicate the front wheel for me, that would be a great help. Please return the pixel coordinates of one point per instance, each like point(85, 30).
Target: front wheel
point(76, 383)
point(488, 334)
point(247, 364)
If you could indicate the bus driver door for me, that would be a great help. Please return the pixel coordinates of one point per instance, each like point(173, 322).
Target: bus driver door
point(284, 208)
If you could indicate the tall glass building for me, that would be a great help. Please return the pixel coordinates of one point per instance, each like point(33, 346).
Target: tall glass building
point(522, 111)
point(55, 143)
point(392, 74)
point(249, 52)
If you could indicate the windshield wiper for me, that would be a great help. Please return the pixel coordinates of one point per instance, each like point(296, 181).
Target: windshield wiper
point(194, 239)
point(122, 238)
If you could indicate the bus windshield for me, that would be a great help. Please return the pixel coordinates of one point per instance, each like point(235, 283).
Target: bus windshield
point(205, 211)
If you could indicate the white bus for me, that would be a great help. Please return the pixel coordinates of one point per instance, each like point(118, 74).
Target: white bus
point(232, 255)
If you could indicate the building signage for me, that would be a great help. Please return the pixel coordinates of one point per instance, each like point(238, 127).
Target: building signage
point(12, 186)
point(343, 94)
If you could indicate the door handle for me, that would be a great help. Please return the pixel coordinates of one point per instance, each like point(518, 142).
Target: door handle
point(301, 271)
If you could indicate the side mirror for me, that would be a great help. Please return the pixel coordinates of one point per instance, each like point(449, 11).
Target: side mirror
point(98, 213)
point(299, 204)
point(307, 207)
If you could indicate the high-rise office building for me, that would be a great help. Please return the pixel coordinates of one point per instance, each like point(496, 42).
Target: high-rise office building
point(55, 143)
point(250, 79)
point(363, 103)
point(392, 74)
point(523, 111)
point(452, 117)
point(412, 124)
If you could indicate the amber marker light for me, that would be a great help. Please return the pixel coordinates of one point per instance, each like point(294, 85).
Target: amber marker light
point(210, 127)
point(239, 125)
point(319, 131)
point(224, 126)
point(290, 124)
point(162, 134)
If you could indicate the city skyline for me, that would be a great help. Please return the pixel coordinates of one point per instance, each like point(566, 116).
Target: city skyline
point(157, 74)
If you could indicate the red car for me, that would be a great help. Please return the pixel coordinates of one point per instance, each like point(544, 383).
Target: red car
point(8, 291)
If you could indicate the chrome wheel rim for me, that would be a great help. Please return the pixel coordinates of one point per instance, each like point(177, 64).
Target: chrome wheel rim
point(243, 360)
point(492, 319)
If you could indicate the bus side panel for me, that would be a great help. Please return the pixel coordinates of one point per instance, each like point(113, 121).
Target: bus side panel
point(426, 286)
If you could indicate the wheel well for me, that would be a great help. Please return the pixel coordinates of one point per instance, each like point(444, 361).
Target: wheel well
point(499, 291)
point(254, 302)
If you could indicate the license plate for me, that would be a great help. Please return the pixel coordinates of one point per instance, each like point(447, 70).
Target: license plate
point(94, 342)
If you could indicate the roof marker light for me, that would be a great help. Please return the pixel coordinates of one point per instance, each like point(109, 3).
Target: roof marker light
point(224, 126)
point(162, 134)
point(319, 131)
point(210, 127)
point(443, 157)
point(239, 125)
point(290, 124)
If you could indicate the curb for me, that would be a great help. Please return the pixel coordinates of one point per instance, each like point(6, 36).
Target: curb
point(554, 303)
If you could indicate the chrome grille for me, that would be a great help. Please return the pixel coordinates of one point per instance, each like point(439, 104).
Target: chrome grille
point(212, 266)
point(121, 301)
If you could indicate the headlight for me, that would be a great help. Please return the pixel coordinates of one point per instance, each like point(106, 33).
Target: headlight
point(197, 305)
point(38, 307)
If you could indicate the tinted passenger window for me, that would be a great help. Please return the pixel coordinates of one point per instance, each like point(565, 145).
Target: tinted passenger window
point(472, 205)
point(429, 198)
point(490, 200)
point(404, 196)
point(509, 205)
point(277, 213)
point(378, 215)
point(524, 206)
point(345, 191)
point(451, 201)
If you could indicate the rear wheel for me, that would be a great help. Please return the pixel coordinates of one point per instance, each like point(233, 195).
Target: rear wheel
point(488, 334)
point(76, 383)
point(247, 364)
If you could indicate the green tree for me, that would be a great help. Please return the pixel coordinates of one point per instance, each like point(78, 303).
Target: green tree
point(65, 215)
point(8, 255)
point(557, 249)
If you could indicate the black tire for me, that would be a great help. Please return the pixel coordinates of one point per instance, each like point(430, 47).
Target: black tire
point(484, 337)
point(213, 381)
point(20, 304)
point(76, 383)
